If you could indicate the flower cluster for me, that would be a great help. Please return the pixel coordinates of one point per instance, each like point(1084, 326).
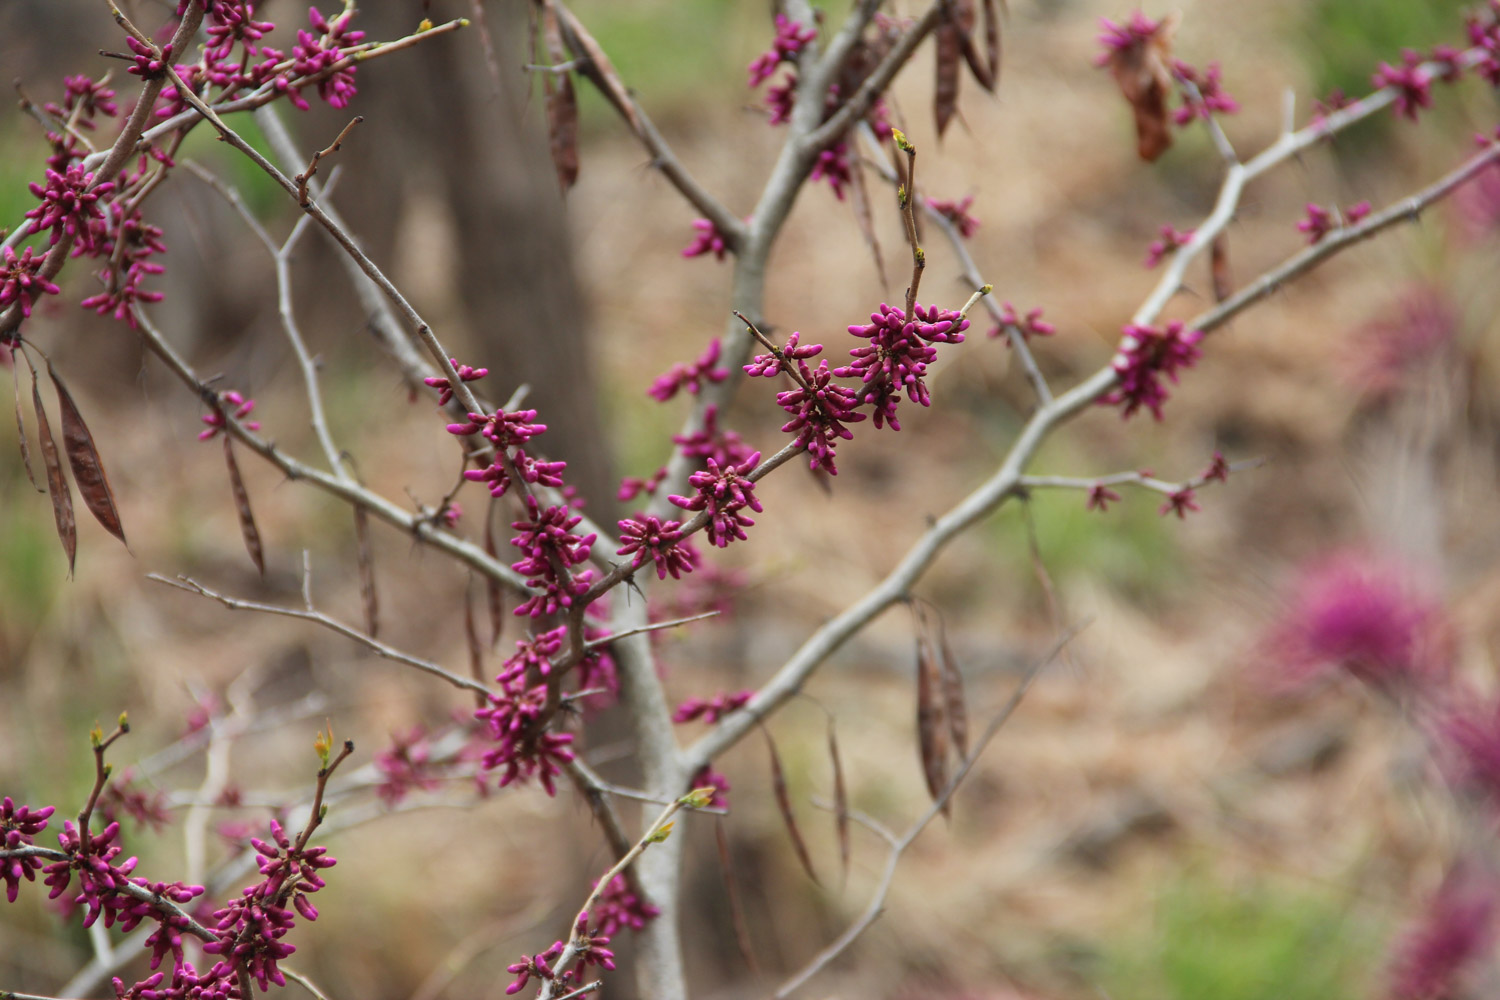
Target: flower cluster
point(898, 354)
point(1030, 325)
point(252, 928)
point(509, 432)
point(711, 710)
point(1321, 221)
point(1202, 93)
point(148, 807)
point(772, 364)
point(549, 551)
point(690, 376)
point(466, 373)
point(1146, 354)
point(1411, 81)
point(590, 949)
point(790, 38)
point(1171, 239)
point(633, 486)
point(1484, 35)
point(19, 826)
point(956, 212)
point(70, 206)
point(20, 280)
point(243, 407)
point(820, 408)
point(647, 537)
point(405, 765)
point(516, 719)
point(708, 240)
point(619, 907)
point(1457, 929)
point(1362, 615)
point(725, 491)
point(711, 442)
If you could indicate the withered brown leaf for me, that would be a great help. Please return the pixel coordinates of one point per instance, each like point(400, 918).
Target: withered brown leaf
point(83, 458)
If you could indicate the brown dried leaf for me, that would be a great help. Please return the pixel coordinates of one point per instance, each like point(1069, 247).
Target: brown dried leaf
point(932, 730)
point(496, 597)
point(840, 800)
point(562, 105)
point(367, 595)
point(242, 508)
point(1218, 268)
point(732, 890)
point(784, 803)
point(83, 457)
point(864, 217)
point(950, 47)
point(953, 697)
point(57, 483)
point(595, 65)
point(1144, 76)
point(984, 67)
point(21, 429)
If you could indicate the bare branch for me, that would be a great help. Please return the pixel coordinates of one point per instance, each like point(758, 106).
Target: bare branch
point(319, 618)
point(899, 845)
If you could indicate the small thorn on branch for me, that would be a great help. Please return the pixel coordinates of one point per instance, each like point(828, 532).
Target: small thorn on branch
point(307, 175)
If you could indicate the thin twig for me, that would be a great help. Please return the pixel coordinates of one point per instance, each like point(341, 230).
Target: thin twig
point(312, 165)
point(898, 846)
point(319, 618)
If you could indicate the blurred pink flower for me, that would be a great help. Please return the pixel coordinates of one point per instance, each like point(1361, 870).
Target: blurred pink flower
point(1457, 927)
point(1357, 613)
point(1415, 328)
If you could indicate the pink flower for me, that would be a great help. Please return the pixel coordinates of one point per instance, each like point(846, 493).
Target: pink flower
point(1412, 83)
point(1457, 929)
point(956, 212)
point(1362, 615)
point(1145, 355)
point(1170, 240)
point(215, 420)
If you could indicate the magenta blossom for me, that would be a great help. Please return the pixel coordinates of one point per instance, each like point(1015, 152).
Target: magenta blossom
point(405, 765)
point(1364, 616)
point(957, 212)
point(1457, 930)
point(21, 280)
point(790, 39)
point(215, 420)
point(1412, 83)
point(1321, 221)
point(648, 538)
point(1122, 38)
point(1145, 355)
point(1100, 497)
point(1030, 325)
point(769, 365)
point(1203, 94)
point(465, 374)
point(713, 709)
point(19, 826)
point(620, 907)
point(898, 354)
point(709, 240)
point(726, 492)
point(70, 204)
point(820, 412)
point(1170, 240)
point(690, 377)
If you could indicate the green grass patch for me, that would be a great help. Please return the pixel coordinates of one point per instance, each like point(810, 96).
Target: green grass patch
point(1265, 942)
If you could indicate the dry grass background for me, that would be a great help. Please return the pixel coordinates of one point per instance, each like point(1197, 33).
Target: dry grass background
point(1150, 763)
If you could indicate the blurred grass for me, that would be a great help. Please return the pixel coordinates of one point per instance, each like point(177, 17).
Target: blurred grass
point(1262, 943)
point(1344, 41)
point(674, 55)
